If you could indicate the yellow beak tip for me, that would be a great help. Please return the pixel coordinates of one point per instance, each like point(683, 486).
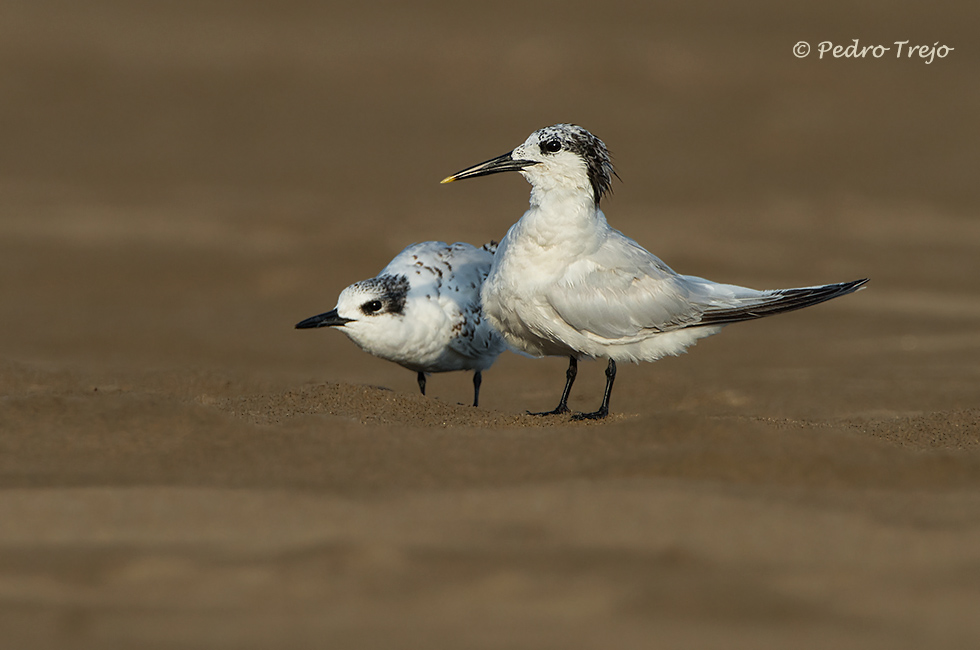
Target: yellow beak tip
point(448, 179)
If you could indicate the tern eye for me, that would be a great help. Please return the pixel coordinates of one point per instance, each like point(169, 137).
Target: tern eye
point(551, 146)
point(371, 306)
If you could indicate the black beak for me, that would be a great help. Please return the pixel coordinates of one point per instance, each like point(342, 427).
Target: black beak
point(504, 163)
point(329, 319)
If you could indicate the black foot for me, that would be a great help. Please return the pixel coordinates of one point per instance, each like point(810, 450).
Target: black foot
point(561, 410)
point(596, 415)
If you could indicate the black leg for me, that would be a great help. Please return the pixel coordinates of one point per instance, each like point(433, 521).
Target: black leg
point(422, 382)
point(477, 380)
point(604, 409)
point(569, 380)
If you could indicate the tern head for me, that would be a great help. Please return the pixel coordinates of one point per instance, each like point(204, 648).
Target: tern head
point(368, 311)
point(560, 156)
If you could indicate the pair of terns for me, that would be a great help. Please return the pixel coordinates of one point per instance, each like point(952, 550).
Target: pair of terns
point(562, 282)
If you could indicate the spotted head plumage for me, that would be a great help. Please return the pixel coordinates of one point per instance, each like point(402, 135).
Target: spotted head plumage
point(577, 140)
point(385, 294)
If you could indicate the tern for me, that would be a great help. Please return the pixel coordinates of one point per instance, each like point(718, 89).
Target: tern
point(422, 312)
point(565, 283)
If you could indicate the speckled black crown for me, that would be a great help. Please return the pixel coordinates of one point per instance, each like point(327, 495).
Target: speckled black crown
point(392, 290)
point(578, 140)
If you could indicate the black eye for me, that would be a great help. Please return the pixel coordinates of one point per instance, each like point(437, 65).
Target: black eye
point(551, 146)
point(371, 307)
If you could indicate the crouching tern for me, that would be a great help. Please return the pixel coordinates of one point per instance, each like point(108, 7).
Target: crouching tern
point(422, 312)
point(564, 283)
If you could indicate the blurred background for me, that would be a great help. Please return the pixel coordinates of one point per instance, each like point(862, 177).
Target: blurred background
point(181, 182)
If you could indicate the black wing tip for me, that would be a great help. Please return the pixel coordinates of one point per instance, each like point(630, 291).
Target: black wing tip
point(788, 300)
point(824, 292)
point(844, 288)
point(829, 291)
point(854, 285)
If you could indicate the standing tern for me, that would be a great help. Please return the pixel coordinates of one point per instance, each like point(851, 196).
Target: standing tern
point(422, 312)
point(564, 283)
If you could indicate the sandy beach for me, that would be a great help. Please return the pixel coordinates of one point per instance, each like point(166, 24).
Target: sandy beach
point(180, 183)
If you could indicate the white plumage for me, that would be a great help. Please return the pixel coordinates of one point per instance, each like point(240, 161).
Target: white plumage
point(565, 283)
point(422, 311)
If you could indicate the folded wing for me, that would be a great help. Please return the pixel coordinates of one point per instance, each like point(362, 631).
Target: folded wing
point(624, 293)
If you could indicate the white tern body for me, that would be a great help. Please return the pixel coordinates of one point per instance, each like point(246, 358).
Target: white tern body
point(422, 311)
point(565, 283)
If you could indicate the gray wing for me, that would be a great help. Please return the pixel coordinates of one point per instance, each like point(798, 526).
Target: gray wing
point(624, 292)
point(470, 266)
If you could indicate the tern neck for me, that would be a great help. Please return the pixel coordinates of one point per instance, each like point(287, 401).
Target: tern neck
point(562, 214)
point(563, 201)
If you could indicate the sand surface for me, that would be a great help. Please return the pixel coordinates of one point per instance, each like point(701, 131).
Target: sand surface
point(180, 183)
